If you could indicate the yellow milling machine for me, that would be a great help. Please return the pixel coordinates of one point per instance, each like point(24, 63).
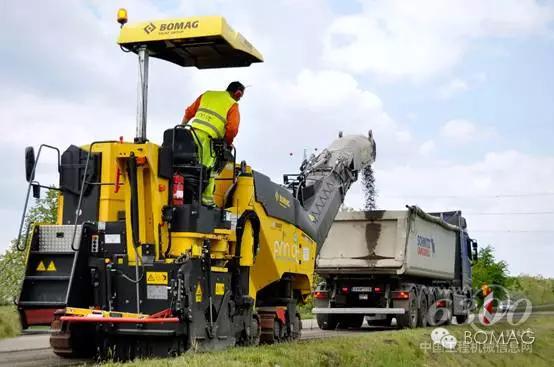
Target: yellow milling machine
point(137, 266)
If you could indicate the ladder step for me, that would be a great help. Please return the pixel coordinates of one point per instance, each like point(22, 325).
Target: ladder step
point(45, 277)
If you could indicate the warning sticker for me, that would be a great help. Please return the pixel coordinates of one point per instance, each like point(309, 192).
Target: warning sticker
point(41, 266)
point(156, 277)
point(198, 293)
point(156, 292)
point(51, 267)
point(219, 289)
point(306, 253)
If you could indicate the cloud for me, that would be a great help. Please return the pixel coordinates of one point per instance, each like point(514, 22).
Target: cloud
point(453, 87)
point(427, 147)
point(421, 39)
point(462, 131)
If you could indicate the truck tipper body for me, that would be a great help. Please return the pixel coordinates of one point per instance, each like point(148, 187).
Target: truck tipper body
point(405, 264)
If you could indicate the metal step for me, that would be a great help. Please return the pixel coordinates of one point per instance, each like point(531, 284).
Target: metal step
point(58, 238)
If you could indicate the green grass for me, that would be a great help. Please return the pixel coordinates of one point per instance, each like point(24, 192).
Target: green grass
point(387, 348)
point(305, 311)
point(9, 322)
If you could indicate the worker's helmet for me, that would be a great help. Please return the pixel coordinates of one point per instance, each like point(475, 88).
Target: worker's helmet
point(236, 89)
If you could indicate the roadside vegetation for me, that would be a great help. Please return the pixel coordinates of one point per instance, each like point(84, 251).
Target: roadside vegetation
point(537, 289)
point(12, 262)
point(9, 322)
point(386, 348)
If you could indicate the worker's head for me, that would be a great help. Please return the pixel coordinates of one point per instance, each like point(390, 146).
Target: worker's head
point(236, 90)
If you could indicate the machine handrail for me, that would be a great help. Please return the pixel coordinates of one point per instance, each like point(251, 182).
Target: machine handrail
point(31, 183)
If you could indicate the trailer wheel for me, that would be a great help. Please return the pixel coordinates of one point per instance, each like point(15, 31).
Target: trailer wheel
point(409, 319)
point(326, 321)
point(461, 319)
point(422, 312)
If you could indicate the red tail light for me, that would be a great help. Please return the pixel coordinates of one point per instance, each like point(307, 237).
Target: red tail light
point(378, 290)
point(320, 294)
point(400, 295)
point(178, 189)
point(345, 290)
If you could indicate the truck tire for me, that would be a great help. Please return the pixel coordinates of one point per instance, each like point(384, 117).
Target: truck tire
point(410, 317)
point(326, 321)
point(422, 312)
point(461, 319)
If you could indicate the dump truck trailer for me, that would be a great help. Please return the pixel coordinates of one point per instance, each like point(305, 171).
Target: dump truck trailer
point(407, 264)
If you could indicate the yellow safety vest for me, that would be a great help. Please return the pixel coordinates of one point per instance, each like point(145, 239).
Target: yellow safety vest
point(211, 116)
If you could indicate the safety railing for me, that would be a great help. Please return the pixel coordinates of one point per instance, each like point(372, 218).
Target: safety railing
point(32, 184)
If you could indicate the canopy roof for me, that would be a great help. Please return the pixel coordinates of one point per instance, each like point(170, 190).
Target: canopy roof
point(203, 42)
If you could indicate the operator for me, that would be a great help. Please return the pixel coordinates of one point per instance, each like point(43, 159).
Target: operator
point(214, 115)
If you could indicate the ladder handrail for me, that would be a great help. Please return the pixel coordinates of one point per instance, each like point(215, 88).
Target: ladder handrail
point(31, 182)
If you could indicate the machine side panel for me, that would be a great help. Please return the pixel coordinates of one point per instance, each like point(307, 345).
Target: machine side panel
point(72, 168)
point(279, 203)
point(276, 200)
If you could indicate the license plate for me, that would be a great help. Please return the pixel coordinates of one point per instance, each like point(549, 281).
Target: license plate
point(363, 296)
point(361, 289)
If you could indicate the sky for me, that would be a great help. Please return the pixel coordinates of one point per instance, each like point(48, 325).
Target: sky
point(459, 95)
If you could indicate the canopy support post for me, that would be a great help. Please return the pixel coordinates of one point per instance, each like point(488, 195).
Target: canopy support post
point(142, 97)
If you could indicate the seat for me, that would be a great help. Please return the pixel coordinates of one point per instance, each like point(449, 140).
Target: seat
point(181, 143)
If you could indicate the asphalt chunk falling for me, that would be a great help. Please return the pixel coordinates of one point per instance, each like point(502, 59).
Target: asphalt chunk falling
point(368, 187)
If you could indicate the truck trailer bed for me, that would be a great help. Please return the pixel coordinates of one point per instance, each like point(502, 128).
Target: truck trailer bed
point(404, 242)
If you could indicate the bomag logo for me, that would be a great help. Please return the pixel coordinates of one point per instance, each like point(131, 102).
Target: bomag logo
point(150, 27)
point(177, 26)
point(282, 200)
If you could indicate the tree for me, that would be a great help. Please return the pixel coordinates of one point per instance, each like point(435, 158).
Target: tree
point(368, 187)
point(12, 262)
point(486, 270)
point(539, 290)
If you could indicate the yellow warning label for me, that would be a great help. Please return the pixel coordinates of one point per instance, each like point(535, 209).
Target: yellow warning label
point(41, 266)
point(156, 277)
point(51, 267)
point(219, 289)
point(198, 293)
